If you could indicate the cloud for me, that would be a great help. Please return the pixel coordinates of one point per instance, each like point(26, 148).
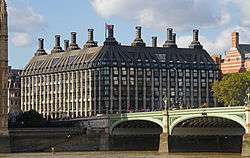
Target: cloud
point(21, 39)
point(23, 21)
point(244, 6)
point(221, 43)
point(180, 14)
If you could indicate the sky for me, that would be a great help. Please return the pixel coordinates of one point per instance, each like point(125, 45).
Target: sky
point(33, 19)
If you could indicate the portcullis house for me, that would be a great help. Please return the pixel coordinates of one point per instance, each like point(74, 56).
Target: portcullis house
point(115, 78)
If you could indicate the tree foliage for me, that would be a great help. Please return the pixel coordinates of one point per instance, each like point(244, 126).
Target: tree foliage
point(28, 119)
point(231, 90)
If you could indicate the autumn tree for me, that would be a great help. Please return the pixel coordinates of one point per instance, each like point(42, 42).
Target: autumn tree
point(231, 90)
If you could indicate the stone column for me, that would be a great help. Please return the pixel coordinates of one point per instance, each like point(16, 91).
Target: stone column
point(104, 140)
point(76, 93)
point(163, 144)
point(246, 137)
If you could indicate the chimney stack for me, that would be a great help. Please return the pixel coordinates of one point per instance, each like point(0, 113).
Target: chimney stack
point(90, 43)
point(90, 34)
point(57, 41)
point(138, 31)
point(174, 38)
point(169, 34)
point(41, 44)
point(170, 42)
point(57, 48)
point(195, 35)
point(73, 44)
point(110, 40)
point(235, 39)
point(154, 41)
point(138, 41)
point(40, 50)
point(195, 43)
point(66, 45)
point(111, 31)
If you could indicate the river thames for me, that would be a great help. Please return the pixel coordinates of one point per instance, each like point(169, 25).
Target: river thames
point(122, 154)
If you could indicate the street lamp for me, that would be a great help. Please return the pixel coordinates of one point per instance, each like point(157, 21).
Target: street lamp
point(248, 96)
point(165, 100)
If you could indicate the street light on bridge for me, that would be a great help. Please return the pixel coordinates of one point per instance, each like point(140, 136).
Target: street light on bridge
point(248, 96)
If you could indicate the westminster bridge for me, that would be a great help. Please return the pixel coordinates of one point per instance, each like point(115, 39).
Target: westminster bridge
point(105, 132)
point(223, 121)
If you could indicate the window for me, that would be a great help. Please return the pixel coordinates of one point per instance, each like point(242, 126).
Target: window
point(116, 72)
point(116, 82)
point(132, 72)
point(139, 71)
point(124, 71)
point(106, 70)
point(124, 82)
point(71, 59)
point(132, 81)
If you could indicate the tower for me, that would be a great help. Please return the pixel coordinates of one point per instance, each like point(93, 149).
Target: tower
point(3, 69)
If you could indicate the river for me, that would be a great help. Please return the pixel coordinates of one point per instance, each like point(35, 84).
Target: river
point(123, 154)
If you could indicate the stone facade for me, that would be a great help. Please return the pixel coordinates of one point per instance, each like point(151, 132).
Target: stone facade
point(14, 91)
point(115, 78)
point(3, 69)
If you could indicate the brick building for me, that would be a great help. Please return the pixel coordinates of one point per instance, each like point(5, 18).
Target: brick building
point(237, 58)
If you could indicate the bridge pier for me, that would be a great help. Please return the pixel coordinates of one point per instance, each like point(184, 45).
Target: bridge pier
point(246, 137)
point(246, 145)
point(104, 141)
point(4, 141)
point(163, 144)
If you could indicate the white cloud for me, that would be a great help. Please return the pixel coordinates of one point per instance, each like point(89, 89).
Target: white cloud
point(21, 39)
point(180, 14)
point(221, 43)
point(244, 6)
point(23, 21)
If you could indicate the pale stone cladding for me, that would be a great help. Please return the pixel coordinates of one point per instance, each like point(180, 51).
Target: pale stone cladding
point(117, 79)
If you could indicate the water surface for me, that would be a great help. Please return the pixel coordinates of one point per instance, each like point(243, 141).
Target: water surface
point(122, 154)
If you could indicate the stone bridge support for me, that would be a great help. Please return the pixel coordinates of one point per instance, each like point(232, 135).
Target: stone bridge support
point(246, 137)
point(163, 144)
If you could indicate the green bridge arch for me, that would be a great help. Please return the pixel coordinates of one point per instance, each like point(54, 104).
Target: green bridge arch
point(235, 118)
point(150, 119)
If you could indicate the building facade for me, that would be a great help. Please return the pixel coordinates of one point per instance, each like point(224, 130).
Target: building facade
point(3, 69)
point(14, 91)
point(115, 78)
point(237, 58)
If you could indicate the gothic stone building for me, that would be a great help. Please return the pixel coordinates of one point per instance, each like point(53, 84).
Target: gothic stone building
point(14, 91)
point(3, 69)
point(115, 78)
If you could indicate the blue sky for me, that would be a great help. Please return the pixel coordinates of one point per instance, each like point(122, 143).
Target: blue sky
point(32, 19)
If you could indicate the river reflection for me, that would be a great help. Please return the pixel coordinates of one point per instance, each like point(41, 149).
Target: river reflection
point(123, 154)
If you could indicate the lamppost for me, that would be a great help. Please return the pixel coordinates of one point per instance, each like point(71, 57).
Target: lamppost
point(248, 96)
point(165, 100)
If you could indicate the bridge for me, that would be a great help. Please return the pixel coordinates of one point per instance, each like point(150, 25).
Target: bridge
point(202, 121)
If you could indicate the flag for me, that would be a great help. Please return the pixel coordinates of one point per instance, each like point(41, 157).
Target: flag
point(107, 27)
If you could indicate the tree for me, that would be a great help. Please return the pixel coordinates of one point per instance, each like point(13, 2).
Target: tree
point(29, 119)
point(231, 90)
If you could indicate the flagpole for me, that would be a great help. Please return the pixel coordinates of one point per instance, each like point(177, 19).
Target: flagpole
point(105, 31)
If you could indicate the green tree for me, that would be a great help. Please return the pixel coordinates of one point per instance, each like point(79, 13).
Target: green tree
point(231, 90)
point(28, 119)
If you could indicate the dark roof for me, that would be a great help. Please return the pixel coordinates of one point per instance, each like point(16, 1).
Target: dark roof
point(115, 54)
point(244, 48)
